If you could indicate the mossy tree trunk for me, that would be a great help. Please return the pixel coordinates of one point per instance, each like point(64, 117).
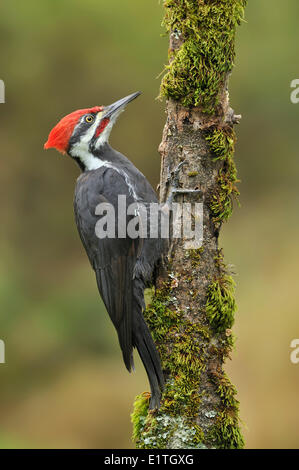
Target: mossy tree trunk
point(192, 311)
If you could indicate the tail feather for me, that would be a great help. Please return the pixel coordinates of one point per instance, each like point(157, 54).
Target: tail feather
point(119, 308)
point(145, 345)
point(125, 302)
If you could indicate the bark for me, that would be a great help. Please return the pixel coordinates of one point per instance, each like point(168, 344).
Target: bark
point(192, 311)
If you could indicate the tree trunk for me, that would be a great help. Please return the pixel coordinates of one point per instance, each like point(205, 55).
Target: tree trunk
point(192, 310)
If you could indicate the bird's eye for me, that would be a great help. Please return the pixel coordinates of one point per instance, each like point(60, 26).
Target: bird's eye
point(89, 119)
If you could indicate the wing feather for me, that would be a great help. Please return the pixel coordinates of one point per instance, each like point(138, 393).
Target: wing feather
point(112, 259)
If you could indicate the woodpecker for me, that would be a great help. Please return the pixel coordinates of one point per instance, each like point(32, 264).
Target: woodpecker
point(124, 266)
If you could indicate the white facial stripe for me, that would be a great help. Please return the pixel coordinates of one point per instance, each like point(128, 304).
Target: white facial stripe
point(81, 148)
point(104, 136)
point(88, 159)
point(86, 138)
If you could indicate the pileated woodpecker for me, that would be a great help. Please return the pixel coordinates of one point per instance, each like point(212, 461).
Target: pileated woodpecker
point(124, 266)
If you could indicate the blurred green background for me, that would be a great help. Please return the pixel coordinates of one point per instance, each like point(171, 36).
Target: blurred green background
point(64, 383)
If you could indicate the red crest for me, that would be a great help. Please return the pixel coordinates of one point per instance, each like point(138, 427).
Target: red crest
point(60, 135)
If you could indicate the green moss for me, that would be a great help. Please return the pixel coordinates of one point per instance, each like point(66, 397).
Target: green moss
point(226, 432)
point(227, 392)
point(222, 144)
point(221, 305)
point(220, 308)
point(160, 430)
point(195, 256)
point(159, 316)
point(191, 174)
point(184, 365)
point(180, 354)
point(198, 69)
point(222, 201)
point(139, 415)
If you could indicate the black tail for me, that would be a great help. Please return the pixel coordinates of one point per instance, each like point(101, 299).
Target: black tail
point(125, 302)
point(119, 305)
point(145, 345)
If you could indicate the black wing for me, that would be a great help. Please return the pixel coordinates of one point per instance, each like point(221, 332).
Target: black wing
point(113, 259)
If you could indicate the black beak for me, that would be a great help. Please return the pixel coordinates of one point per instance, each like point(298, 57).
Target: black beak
point(119, 105)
